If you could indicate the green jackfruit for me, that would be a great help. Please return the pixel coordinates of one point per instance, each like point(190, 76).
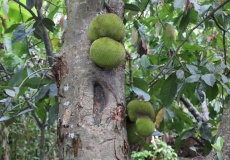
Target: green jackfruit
point(138, 109)
point(107, 53)
point(133, 138)
point(145, 127)
point(106, 25)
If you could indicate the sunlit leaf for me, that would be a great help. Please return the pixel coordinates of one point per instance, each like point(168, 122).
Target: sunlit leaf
point(179, 3)
point(145, 61)
point(180, 74)
point(209, 79)
point(141, 93)
point(193, 78)
point(53, 90)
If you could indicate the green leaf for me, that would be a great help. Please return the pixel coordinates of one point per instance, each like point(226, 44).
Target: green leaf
point(224, 78)
point(216, 147)
point(20, 33)
point(193, 78)
point(30, 3)
point(180, 74)
point(168, 90)
point(53, 90)
point(193, 69)
point(10, 92)
point(145, 61)
point(38, 30)
point(209, 79)
point(41, 111)
point(16, 77)
point(184, 116)
point(35, 82)
point(220, 142)
point(140, 83)
point(25, 111)
point(53, 114)
point(132, 7)
point(205, 132)
point(141, 93)
point(42, 93)
point(102, 4)
point(220, 156)
point(11, 28)
point(225, 87)
point(188, 133)
point(184, 23)
point(49, 24)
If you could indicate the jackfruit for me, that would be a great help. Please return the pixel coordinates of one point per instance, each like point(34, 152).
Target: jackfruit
point(145, 127)
point(133, 137)
point(107, 53)
point(106, 25)
point(138, 109)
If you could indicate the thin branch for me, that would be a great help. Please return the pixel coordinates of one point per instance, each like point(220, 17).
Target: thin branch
point(47, 41)
point(192, 109)
point(33, 74)
point(33, 112)
point(24, 6)
point(225, 50)
point(130, 69)
point(159, 18)
point(218, 25)
point(54, 4)
point(143, 10)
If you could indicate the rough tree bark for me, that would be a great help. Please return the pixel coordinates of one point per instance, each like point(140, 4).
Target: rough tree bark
point(91, 104)
point(224, 132)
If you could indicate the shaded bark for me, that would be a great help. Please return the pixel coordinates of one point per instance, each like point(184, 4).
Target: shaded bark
point(91, 104)
point(224, 132)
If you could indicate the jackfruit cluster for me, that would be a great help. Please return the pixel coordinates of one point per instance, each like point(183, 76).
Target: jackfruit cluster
point(142, 116)
point(105, 31)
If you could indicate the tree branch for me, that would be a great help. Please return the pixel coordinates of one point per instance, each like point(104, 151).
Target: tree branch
point(192, 109)
point(46, 38)
point(33, 112)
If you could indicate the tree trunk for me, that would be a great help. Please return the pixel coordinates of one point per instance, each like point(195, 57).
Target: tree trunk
point(224, 132)
point(91, 104)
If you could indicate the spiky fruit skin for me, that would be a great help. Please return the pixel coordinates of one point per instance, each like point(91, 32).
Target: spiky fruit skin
point(138, 108)
point(133, 138)
point(107, 53)
point(145, 127)
point(106, 25)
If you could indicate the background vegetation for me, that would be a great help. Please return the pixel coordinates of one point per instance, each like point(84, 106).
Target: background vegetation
point(177, 59)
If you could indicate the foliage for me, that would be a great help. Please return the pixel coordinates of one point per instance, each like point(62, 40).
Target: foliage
point(161, 152)
point(177, 60)
point(218, 146)
point(28, 107)
point(178, 56)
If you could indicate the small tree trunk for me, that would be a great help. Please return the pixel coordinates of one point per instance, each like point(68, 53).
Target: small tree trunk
point(224, 132)
point(91, 111)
